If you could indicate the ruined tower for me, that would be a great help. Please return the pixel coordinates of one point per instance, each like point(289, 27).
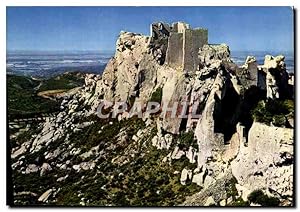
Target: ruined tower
point(183, 44)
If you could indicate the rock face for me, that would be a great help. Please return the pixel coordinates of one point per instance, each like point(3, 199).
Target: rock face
point(131, 66)
point(209, 54)
point(276, 78)
point(267, 162)
point(205, 133)
point(213, 194)
point(137, 70)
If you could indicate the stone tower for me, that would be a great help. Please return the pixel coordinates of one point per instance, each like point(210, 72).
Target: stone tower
point(183, 44)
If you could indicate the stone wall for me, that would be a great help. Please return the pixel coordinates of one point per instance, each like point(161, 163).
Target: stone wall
point(183, 44)
point(174, 51)
point(183, 47)
point(193, 40)
point(180, 27)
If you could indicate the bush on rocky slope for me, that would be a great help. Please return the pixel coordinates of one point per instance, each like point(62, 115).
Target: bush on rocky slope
point(275, 111)
point(156, 95)
point(240, 203)
point(259, 197)
point(128, 172)
point(186, 139)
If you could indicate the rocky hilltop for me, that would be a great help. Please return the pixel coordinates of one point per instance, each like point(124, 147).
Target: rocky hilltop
point(238, 151)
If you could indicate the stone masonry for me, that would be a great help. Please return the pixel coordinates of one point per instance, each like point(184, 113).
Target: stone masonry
point(183, 44)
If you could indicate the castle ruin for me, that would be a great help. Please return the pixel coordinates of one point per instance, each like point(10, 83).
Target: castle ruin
point(180, 44)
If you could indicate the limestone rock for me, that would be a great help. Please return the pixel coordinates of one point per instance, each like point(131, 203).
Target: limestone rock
point(162, 142)
point(84, 166)
point(174, 91)
point(45, 168)
point(19, 151)
point(185, 176)
point(223, 202)
point(205, 133)
point(62, 178)
point(208, 54)
point(198, 178)
point(32, 168)
point(276, 78)
point(44, 197)
point(126, 71)
point(267, 162)
point(177, 153)
point(191, 154)
point(210, 201)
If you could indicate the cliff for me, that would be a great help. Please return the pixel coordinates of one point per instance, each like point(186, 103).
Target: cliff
point(222, 150)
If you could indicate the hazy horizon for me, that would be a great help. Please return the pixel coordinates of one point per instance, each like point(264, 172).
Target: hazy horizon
point(113, 50)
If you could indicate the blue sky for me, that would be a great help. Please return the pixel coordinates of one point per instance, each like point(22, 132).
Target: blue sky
point(97, 28)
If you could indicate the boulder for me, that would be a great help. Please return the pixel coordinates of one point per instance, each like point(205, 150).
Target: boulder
point(44, 197)
point(45, 168)
point(177, 153)
point(223, 202)
point(185, 176)
point(32, 168)
point(210, 201)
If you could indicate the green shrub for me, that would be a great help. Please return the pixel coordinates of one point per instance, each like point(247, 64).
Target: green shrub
point(274, 111)
point(279, 120)
point(240, 203)
point(186, 139)
point(156, 95)
point(230, 188)
point(259, 197)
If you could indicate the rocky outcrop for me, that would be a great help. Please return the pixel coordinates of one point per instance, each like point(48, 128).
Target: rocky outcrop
point(185, 176)
point(209, 54)
point(182, 69)
point(212, 194)
point(132, 66)
point(208, 140)
point(266, 163)
point(251, 69)
point(162, 142)
point(276, 77)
